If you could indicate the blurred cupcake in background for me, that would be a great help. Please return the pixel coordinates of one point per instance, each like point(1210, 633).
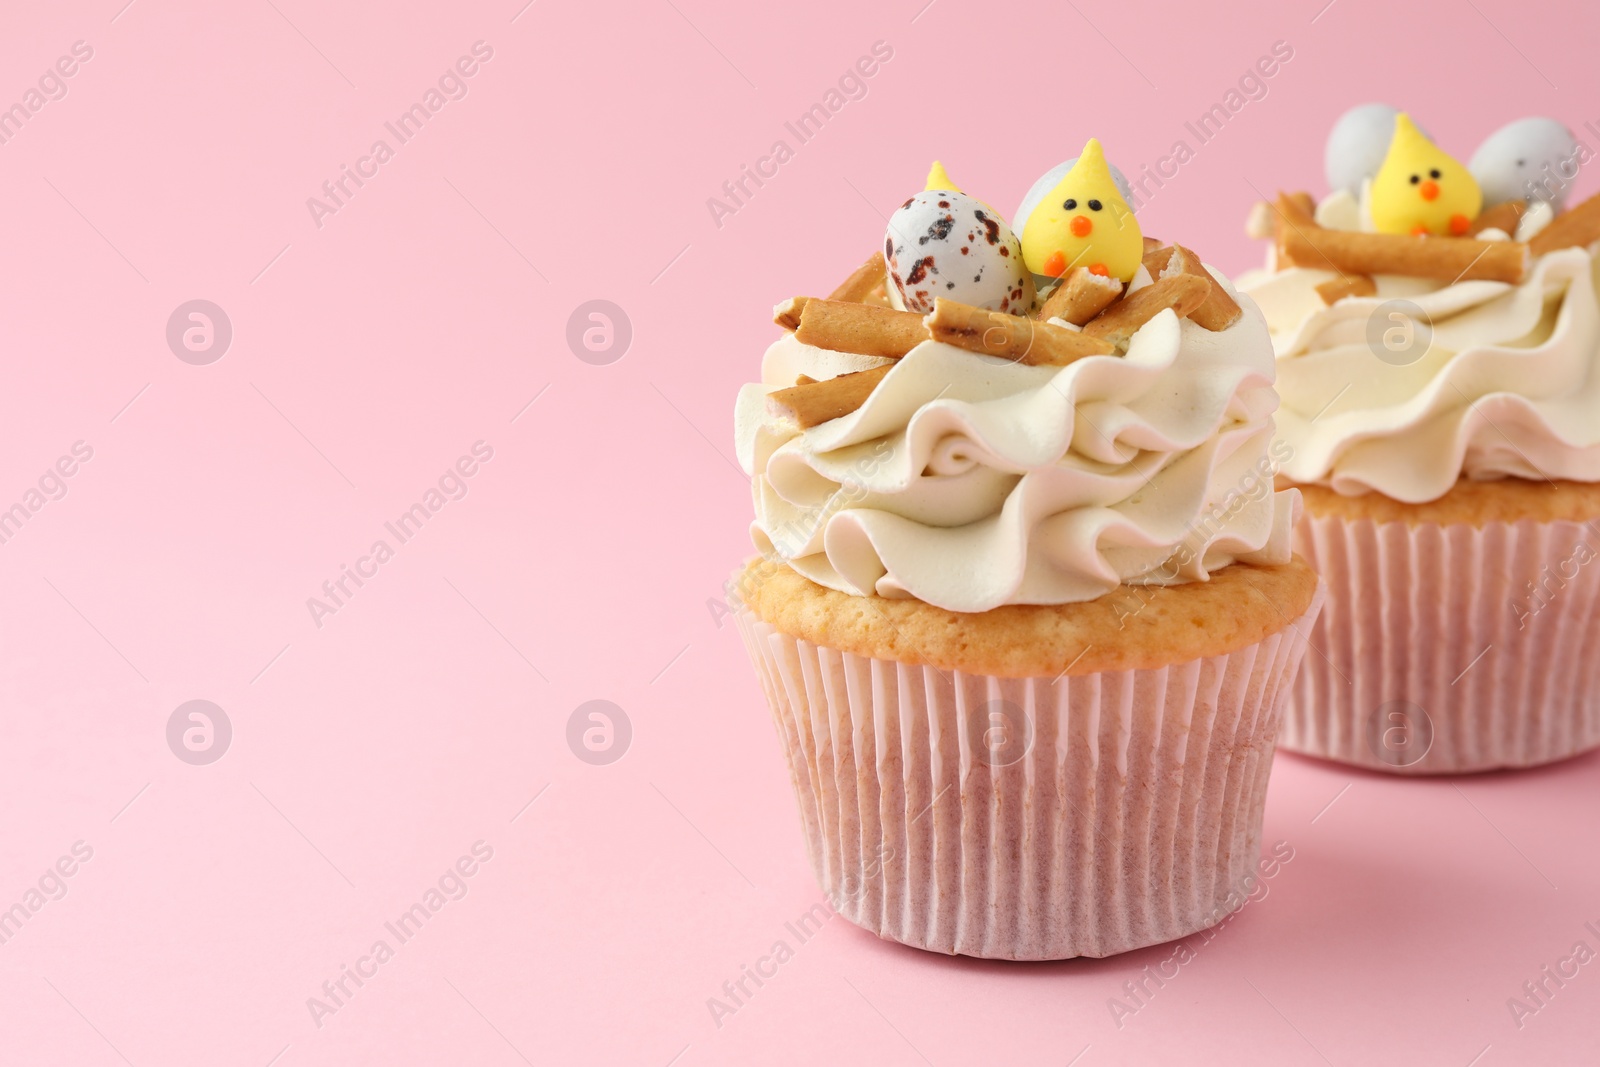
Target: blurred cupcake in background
point(1438, 340)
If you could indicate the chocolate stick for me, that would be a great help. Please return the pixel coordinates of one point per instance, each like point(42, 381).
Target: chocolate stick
point(864, 329)
point(863, 281)
point(1117, 324)
point(1579, 226)
point(1449, 259)
point(1013, 337)
point(1219, 310)
point(1081, 296)
point(814, 403)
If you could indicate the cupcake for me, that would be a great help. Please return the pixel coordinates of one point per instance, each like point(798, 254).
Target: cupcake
point(1438, 334)
point(1025, 610)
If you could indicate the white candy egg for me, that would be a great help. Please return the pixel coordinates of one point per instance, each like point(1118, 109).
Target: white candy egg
point(948, 244)
point(1529, 159)
point(1357, 145)
point(1049, 180)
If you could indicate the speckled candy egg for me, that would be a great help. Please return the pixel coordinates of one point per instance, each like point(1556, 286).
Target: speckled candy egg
point(1529, 159)
point(948, 244)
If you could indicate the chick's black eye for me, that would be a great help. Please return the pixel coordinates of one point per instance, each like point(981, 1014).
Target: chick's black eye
point(1415, 178)
point(1435, 174)
point(1094, 205)
point(1071, 205)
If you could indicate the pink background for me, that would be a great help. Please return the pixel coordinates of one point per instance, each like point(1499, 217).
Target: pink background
point(368, 354)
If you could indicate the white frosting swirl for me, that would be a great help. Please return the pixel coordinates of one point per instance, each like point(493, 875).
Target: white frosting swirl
point(1508, 386)
point(970, 482)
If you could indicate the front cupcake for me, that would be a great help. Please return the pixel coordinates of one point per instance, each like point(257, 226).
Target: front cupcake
point(1438, 334)
point(1025, 611)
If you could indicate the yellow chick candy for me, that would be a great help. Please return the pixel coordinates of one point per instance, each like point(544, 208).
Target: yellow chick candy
point(939, 180)
point(1084, 221)
point(1419, 189)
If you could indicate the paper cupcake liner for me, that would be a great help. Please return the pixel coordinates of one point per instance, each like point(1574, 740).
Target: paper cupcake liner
point(1446, 649)
point(1029, 818)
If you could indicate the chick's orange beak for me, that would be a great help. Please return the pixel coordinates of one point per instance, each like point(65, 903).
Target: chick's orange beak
point(1081, 226)
point(1429, 190)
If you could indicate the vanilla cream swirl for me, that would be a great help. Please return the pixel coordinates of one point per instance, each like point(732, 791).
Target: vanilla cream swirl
point(1506, 387)
point(970, 482)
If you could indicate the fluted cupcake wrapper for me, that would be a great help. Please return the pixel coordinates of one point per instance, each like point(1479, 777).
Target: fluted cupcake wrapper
point(1446, 649)
point(1029, 818)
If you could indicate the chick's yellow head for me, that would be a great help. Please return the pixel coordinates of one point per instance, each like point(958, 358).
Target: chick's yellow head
point(1420, 189)
point(939, 179)
point(1084, 222)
